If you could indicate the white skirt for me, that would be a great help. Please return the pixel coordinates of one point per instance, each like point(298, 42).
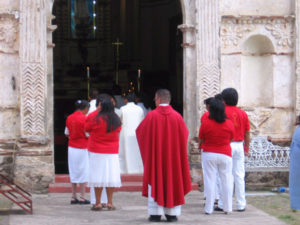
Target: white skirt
point(78, 162)
point(104, 170)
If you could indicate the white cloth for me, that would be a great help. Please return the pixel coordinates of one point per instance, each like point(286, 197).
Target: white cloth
point(118, 112)
point(130, 156)
point(155, 209)
point(140, 104)
point(213, 163)
point(238, 172)
point(78, 163)
point(104, 170)
point(93, 196)
point(93, 106)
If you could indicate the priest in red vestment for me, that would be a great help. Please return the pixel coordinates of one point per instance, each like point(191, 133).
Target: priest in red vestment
point(162, 138)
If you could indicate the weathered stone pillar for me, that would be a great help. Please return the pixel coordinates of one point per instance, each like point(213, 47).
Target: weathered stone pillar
point(208, 65)
point(34, 161)
point(297, 56)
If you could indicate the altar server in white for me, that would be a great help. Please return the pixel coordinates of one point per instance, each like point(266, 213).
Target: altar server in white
point(131, 116)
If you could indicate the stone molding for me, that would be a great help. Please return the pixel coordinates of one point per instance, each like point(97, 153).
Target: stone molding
point(9, 27)
point(33, 67)
point(235, 30)
point(208, 65)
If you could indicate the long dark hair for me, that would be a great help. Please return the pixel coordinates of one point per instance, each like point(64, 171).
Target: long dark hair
point(107, 112)
point(217, 110)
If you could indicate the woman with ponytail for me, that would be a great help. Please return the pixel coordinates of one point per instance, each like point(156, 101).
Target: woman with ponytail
point(104, 127)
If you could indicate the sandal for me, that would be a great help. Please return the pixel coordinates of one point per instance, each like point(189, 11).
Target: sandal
point(111, 207)
point(96, 208)
point(74, 201)
point(104, 205)
point(84, 201)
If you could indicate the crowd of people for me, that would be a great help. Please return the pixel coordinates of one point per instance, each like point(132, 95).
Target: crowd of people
point(110, 141)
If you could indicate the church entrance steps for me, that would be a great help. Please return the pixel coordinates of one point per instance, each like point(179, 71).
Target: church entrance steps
point(15, 194)
point(130, 183)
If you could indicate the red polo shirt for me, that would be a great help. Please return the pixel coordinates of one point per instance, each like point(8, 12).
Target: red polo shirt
point(75, 124)
point(100, 141)
point(216, 137)
point(240, 121)
point(204, 116)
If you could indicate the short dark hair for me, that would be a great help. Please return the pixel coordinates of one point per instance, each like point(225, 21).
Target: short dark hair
point(82, 104)
point(217, 110)
point(107, 113)
point(130, 97)
point(207, 101)
point(164, 95)
point(219, 96)
point(94, 93)
point(230, 96)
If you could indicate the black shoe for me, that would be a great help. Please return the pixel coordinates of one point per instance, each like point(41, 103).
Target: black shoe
point(83, 201)
point(171, 218)
point(154, 218)
point(218, 209)
point(241, 210)
point(74, 201)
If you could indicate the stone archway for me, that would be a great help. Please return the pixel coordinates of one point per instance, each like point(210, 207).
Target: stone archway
point(34, 166)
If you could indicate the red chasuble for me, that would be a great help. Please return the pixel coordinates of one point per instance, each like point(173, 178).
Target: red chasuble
point(162, 138)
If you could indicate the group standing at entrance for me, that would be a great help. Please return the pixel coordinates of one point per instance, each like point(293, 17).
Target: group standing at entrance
point(157, 146)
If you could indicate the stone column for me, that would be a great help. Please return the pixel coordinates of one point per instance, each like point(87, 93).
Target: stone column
point(297, 56)
point(34, 168)
point(208, 49)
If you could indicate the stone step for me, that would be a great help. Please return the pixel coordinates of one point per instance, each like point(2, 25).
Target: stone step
point(130, 183)
point(65, 178)
point(66, 187)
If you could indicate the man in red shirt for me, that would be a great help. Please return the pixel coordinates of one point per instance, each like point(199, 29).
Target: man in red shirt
point(162, 138)
point(239, 145)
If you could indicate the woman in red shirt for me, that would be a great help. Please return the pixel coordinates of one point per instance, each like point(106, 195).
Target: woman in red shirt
point(78, 162)
point(215, 136)
point(104, 127)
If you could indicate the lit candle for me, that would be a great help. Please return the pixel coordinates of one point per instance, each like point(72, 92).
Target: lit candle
point(88, 72)
point(139, 73)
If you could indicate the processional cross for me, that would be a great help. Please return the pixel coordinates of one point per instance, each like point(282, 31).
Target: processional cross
point(117, 44)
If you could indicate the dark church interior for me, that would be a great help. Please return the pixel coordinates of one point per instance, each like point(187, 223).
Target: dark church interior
point(116, 46)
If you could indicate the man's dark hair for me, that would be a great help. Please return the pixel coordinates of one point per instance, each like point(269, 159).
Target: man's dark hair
point(207, 101)
point(230, 96)
point(217, 110)
point(164, 95)
point(94, 93)
point(107, 112)
point(130, 97)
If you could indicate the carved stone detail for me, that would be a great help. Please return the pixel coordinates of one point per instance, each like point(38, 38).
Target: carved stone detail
point(33, 49)
point(257, 118)
point(234, 30)
point(8, 34)
point(282, 30)
point(208, 51)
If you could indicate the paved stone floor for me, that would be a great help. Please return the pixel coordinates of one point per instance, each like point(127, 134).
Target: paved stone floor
point(54, 209)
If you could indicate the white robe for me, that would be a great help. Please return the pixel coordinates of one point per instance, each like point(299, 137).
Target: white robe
point(129, 152)
point(92, 106)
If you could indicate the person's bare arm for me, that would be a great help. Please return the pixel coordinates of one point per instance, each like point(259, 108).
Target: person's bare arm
point(247, 142)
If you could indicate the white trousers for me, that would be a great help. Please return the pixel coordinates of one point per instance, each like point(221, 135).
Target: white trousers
point(93, 196)
point(238, 172)
point(214, 163)
point(154, 209)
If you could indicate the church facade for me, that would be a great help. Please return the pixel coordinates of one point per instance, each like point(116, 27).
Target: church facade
point(251, 45)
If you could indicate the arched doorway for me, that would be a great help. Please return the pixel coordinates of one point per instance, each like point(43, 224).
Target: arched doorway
point(109, 41)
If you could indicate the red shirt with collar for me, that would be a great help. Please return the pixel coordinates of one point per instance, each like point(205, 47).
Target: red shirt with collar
point(240, 121)
point(75, 124)
point(204, 116)
point(216, 136)
point(99, 140)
